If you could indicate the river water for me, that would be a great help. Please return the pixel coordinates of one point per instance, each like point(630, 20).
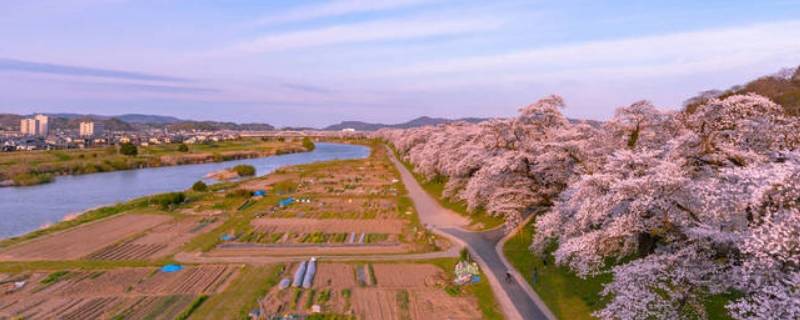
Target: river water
point(24, 209)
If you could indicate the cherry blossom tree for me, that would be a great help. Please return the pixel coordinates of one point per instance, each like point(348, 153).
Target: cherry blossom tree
point(676, 206)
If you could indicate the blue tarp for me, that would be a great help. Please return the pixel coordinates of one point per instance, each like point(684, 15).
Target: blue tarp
point(260, 193)
point(226, 237)
point(476, 278)
point(286, 202)
point(171, 268)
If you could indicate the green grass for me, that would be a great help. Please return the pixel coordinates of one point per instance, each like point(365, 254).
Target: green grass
point(241, 295)
point(22, 266)
point(715, 305)
point(403, 303)
point(310, 298)
point(567, 295)
point(296, 294)
point(192, 307)
point(54, 277)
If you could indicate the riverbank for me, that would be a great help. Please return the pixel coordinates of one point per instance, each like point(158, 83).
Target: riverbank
point(24, 209)
point(39, 167)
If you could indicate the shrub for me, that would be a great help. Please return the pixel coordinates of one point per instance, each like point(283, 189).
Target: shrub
point(183, 147)
point(245, 170)
point(308, 144)
point(128, 149)
point(200, 186)
point(238, 193)
point(168, 200)
point(54, 277)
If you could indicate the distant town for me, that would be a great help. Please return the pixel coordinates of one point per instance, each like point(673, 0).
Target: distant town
point(39, 132)
point(35, 133)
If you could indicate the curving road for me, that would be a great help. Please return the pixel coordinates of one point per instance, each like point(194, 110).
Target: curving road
point(516, 298)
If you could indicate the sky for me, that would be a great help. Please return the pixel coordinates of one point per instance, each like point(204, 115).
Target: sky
point(315, 63)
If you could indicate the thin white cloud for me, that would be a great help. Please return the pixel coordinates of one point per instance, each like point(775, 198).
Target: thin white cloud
point(678, 53)
point(381, 30)
point(336, 8)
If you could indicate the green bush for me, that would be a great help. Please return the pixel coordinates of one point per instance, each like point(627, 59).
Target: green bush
point(245, 170)
point(54, 277)
point(200, 186)
point(128, 149)
point(308, 144)
point(183, 147)
point(238, 193)
point(168, 200)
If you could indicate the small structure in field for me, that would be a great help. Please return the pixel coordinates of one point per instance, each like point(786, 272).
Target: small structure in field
point(311, 270)
point(467, 272)
point(171, 268)
point(299, 275)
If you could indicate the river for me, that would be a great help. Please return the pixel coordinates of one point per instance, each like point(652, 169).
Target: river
point(24, 209)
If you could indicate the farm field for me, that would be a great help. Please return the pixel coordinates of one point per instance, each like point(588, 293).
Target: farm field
point(109, 265)
point(130, 293)
point(352, 207)
point(83, 240)
point(375, 291)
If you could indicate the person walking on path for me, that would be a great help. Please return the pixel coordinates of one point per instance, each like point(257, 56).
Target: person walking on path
point(508, 276)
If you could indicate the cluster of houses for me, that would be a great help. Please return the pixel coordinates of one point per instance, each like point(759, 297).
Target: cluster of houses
point(36, 135)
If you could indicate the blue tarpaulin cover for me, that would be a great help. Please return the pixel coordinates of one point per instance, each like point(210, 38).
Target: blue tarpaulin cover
point(171, 268)
point(286, 202)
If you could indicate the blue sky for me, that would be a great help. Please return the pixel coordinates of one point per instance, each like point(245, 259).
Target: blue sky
point(313, 63)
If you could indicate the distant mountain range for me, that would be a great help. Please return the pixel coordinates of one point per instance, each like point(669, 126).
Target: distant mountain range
point(132, 122)
point(418, 122)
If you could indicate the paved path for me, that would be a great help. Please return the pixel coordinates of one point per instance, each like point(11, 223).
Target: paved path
point(517, 302)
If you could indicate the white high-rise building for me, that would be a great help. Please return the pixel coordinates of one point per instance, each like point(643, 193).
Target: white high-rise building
point(36, 126)
point(44, 128)
point(90, 129)
point(29, 127)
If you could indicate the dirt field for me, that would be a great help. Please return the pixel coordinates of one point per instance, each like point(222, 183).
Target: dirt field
point(256, 250)
point(371, 177)
point(406, 275)
point(135, 293)
point(342, 208)
point(267, 182)
point(402, 291)
point(160, 241)
point(81, 241)
point(387, 226)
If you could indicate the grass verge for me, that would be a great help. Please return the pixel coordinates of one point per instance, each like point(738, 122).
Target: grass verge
point(567, 295)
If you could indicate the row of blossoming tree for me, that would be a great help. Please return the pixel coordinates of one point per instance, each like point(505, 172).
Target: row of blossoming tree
point(677, 206)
